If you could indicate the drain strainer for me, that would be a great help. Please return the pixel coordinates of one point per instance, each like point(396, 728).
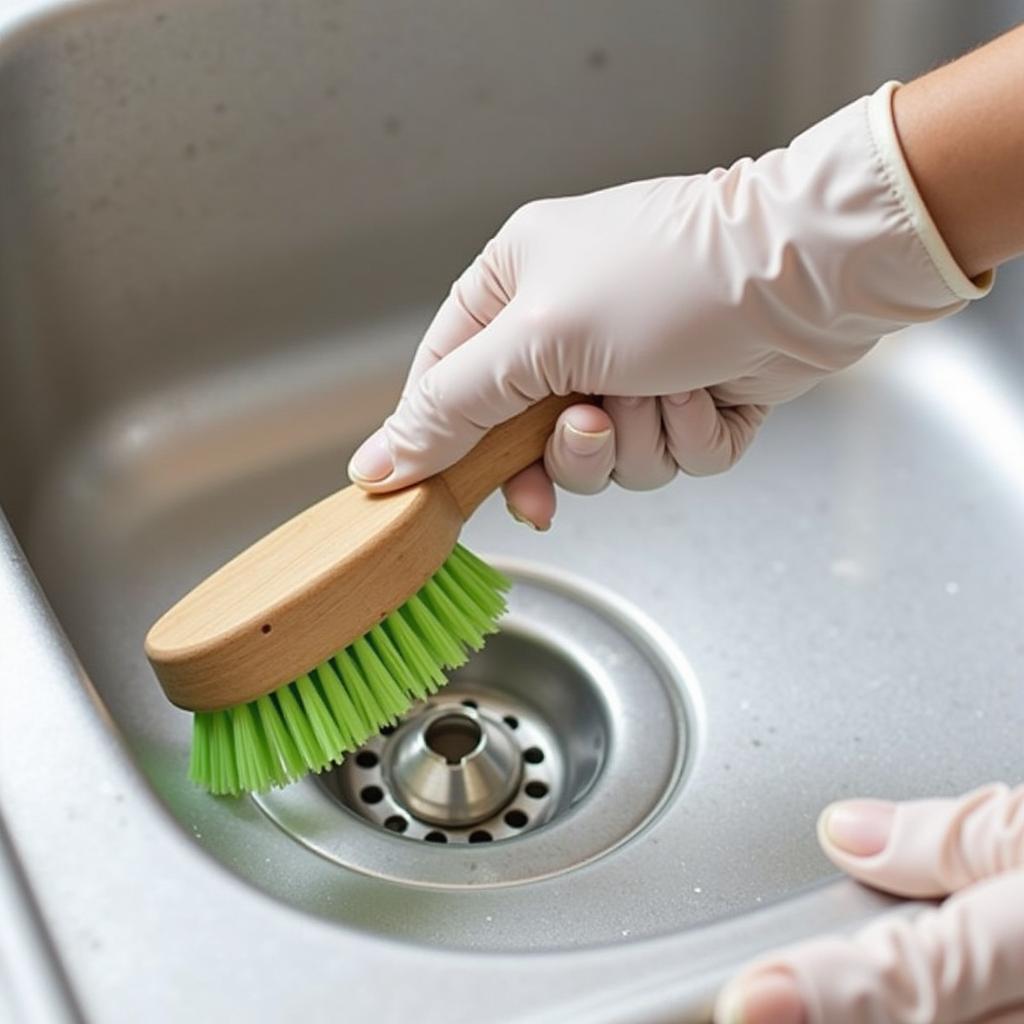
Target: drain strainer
point(471, 766)
point(549, 748)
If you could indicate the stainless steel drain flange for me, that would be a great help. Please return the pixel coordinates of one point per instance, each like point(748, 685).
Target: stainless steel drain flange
point(551, 747)
point(470, 766)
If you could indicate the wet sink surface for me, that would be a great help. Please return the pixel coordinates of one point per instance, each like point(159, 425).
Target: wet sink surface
point(225, 285)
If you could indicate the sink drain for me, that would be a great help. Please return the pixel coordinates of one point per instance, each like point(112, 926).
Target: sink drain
point(474, 765)
point(552, 746)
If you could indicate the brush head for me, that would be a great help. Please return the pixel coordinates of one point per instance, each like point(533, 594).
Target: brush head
point(301, 593)
point(336, 705)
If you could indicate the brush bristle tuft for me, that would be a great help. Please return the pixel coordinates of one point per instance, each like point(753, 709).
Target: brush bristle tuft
point(313, 721)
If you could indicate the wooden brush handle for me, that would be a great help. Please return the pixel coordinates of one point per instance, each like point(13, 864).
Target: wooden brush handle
point(504, 451)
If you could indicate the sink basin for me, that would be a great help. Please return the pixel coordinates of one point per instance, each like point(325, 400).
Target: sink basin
point(223, 227)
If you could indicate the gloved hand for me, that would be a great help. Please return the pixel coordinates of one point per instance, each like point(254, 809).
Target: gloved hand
point(691, 304)
point(961, 963)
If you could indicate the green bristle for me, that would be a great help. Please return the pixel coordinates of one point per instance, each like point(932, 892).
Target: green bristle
point(342, 708)
point(251, 751)
point(369, 711)
point(463, 600)
point(392, 661)
point(313, 721)
point(390, 698)
point(199, 761)
point(329, 743)
point(457, 624)
point(299, 727)
point(223, 764)
point(496, 581)
point(443, 647)
point(490, 601)
point(286, 762)
point(410, 648)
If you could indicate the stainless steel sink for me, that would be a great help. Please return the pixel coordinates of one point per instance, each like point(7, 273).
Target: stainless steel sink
point(223, 225)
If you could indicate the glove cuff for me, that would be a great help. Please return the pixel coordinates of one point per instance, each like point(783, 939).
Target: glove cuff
point(901, 182)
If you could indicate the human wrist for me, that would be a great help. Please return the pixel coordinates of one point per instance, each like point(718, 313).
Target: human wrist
point(960, 130)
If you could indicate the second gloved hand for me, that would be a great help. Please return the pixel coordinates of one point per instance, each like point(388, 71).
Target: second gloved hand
point(689, 304)
point(962, 962)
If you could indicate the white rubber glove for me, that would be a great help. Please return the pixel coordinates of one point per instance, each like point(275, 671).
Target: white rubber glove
point(961, 963)
point(691, 304)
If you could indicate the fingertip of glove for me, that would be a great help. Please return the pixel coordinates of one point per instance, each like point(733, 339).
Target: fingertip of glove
point(857, 828)
point(372, 462)
point(521, 517)
point(585, 443)
point(771, 997)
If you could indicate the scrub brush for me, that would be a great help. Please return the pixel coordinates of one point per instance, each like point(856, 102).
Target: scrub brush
point(326, 630)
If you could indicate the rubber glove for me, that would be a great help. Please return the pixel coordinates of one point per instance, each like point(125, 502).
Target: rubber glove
point(961, 963)
point(691, 304)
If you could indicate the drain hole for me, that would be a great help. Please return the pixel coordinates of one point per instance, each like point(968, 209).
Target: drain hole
point(516, 819)
point(453, 737)
point(480, 836)
point(469, 704)
point(536, 790)
point(511, 721)
point(371, 794)
point(396, 823)
point(534, 755)
point(436, 837)
point(366, 759)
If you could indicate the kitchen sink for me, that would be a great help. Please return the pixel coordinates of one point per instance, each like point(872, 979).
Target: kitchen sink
point(224, 225)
